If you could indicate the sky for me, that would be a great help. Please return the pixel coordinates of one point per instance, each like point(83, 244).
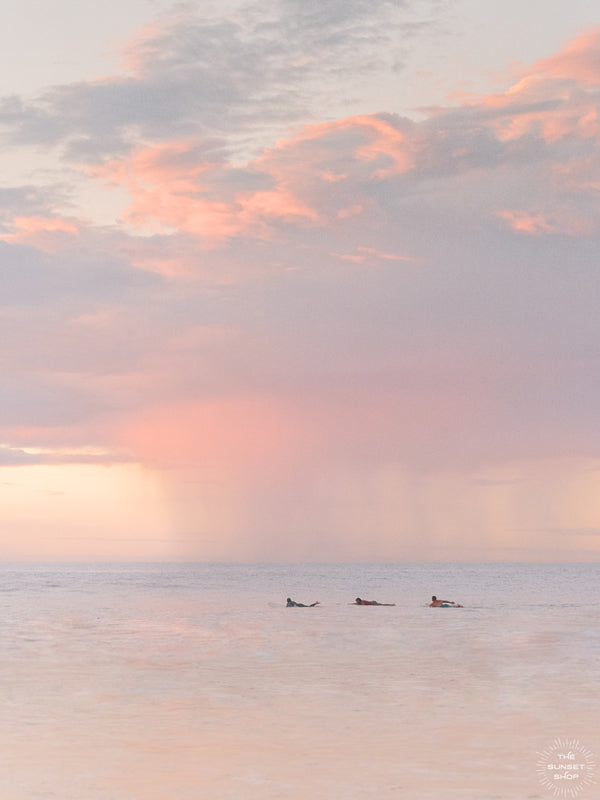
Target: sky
point(309, 280)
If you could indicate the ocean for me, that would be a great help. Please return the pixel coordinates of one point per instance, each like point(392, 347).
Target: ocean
point(195, 682)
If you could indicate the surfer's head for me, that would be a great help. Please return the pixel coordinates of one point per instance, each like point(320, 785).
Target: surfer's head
point(434, 598)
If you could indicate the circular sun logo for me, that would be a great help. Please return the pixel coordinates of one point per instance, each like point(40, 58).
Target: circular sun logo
point(566, 768)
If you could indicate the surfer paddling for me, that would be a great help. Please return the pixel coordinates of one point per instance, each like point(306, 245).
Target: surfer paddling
point(292, 604)
point(359, 602)
point(435, 603)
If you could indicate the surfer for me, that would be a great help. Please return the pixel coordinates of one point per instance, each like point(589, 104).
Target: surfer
point(359, 602)
point(435, 603)
point(292, 604)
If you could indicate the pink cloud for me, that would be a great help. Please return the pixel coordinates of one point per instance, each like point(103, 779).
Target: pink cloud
point(354, 210)
point(341, 150)
point(141, 47)
point(258, 207)
point(326, 176)
point(45, 233)
point(371, 254)
point(298, 182)
point(356, 257)
point(552, 98)
point(557, 221)
point(166, 189)
point(579, 61)
point(526, 222)
point(371, 251)
point(553, 104)
point(171, 190)
point(569, 118)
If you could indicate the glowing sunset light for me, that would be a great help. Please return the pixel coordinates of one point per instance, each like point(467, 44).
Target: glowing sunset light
point(46, 513)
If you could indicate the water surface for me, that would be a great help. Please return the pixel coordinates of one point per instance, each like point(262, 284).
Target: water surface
point(193, 682)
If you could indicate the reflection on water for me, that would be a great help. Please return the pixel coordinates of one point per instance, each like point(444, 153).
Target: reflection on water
point(167, 682)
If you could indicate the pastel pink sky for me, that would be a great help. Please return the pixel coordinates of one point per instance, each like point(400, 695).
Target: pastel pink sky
point(247, 313)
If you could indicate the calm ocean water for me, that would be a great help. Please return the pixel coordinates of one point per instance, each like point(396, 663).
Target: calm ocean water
point(194, 682)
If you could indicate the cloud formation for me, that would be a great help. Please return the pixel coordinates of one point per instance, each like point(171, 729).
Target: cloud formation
point(221, 79)
point(360, 296)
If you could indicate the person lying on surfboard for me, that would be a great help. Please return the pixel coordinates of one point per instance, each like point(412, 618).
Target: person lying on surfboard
point(359, 602)
point(435, 603)
point(291, 604)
